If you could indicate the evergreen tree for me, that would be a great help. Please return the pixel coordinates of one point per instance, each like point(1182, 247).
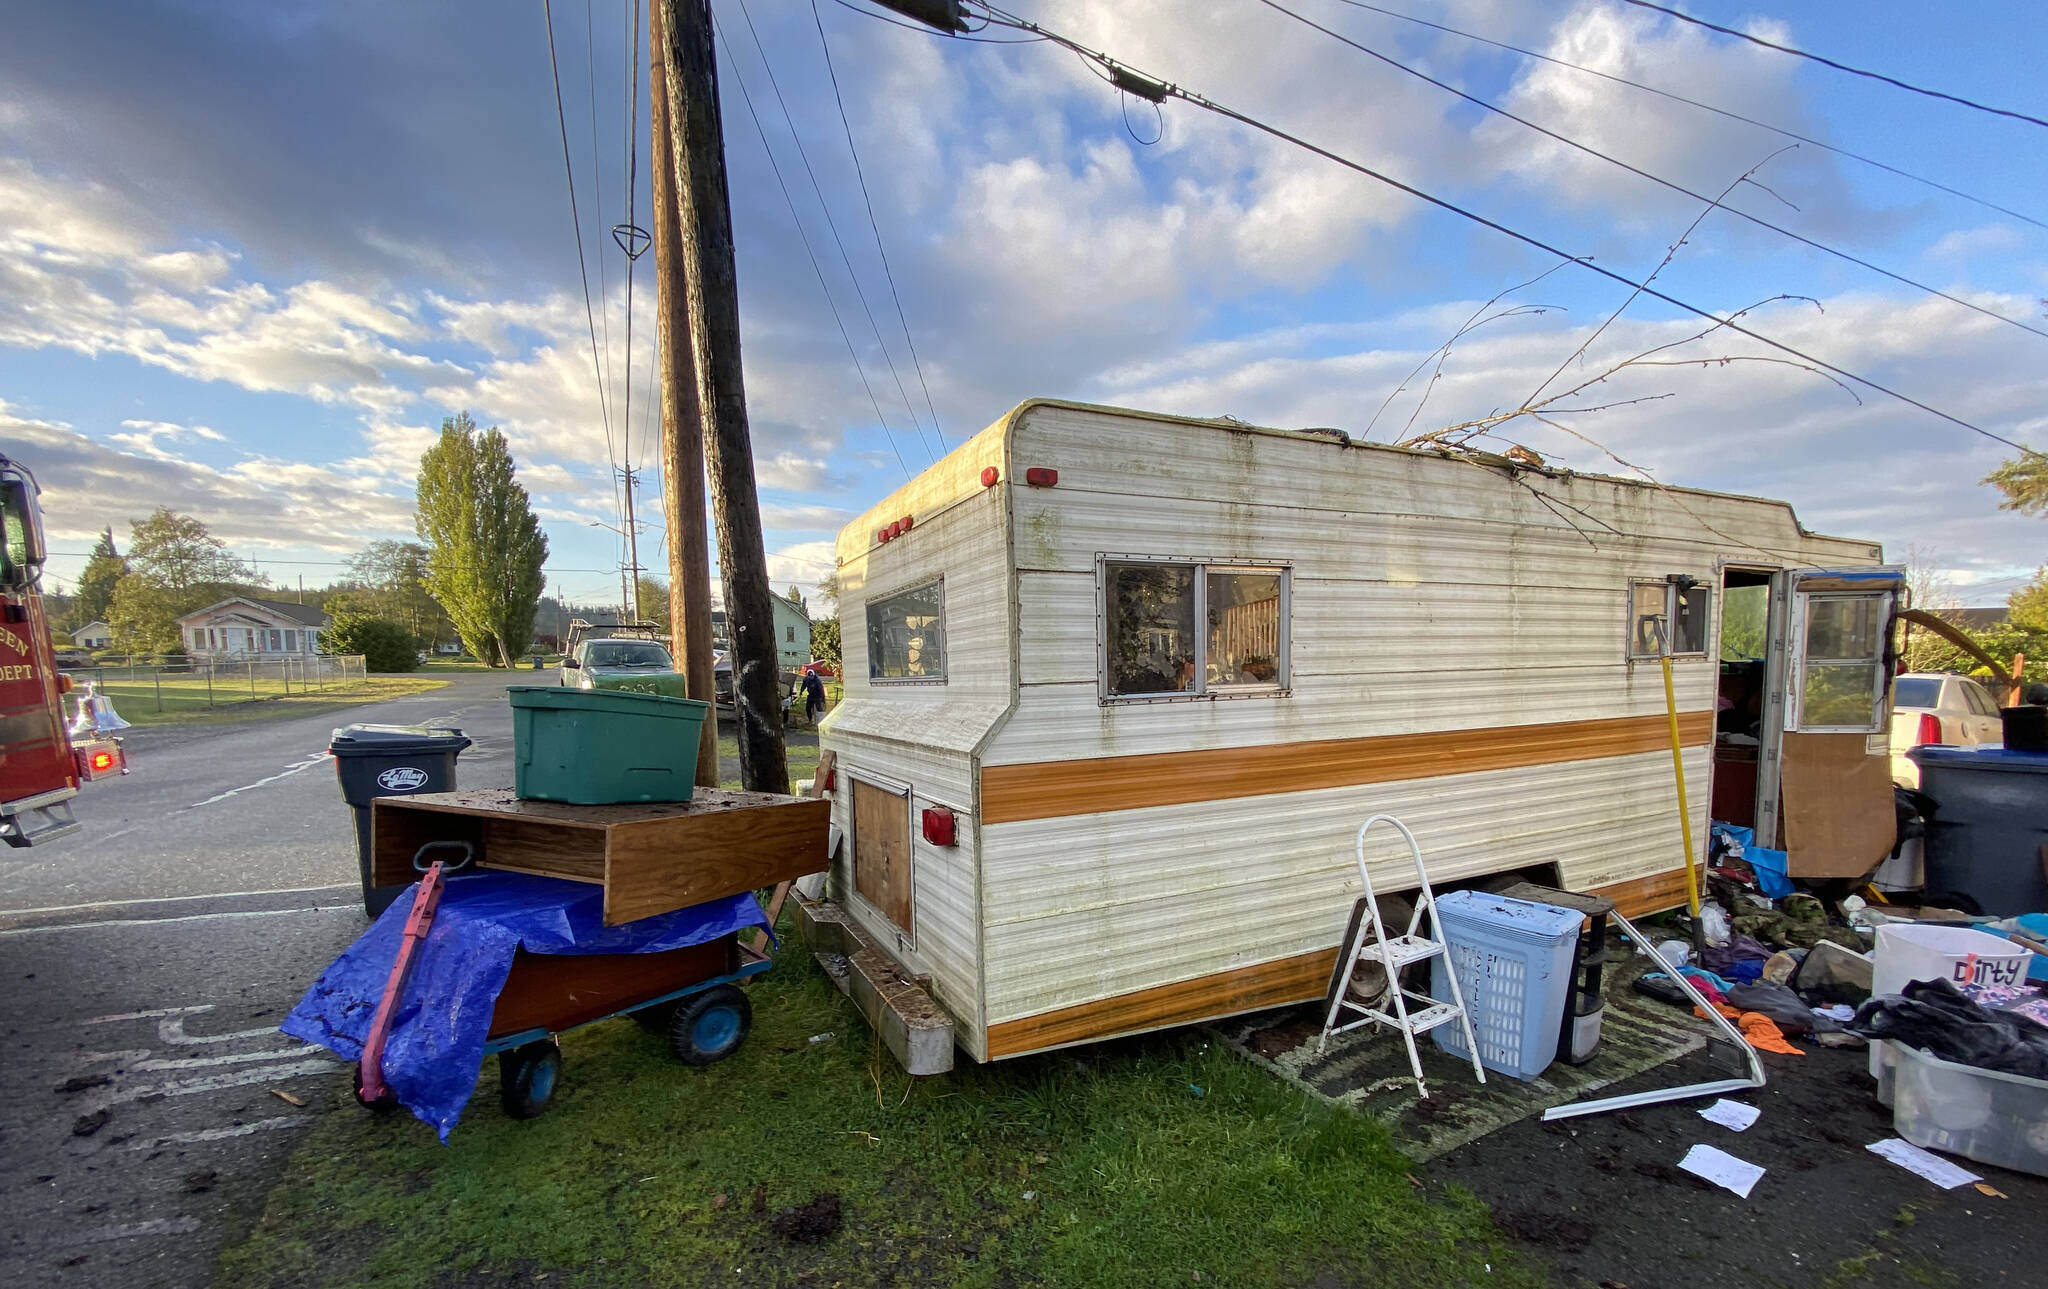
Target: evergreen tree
point(485, 546)
point(96, 584)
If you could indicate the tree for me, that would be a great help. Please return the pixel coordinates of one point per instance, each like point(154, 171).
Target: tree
point(828, 590)
point(175, 553)
point(654, 601)
point(96, 584)
point(485, 547)
point(387, 580)
point(144, 616)
point(384, 644)
point(796, 597)
point(825, 641)
point(2024, 481)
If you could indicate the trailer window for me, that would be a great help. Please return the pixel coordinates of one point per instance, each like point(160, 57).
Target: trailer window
point(1661, 606)
point(907, 635)
point(1152, 648)
point(1841, 677)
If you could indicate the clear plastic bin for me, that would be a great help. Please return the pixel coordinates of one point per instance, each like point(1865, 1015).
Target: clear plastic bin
point(1982, 1115)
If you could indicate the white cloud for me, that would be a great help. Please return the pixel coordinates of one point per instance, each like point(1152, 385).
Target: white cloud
point(1988, 239)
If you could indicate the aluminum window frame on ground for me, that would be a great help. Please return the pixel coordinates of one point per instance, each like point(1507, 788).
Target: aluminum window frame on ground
point(1201, 568)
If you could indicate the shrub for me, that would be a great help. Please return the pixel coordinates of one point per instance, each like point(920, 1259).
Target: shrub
point(384, 644)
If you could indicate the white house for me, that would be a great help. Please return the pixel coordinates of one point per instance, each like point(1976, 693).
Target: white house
point(93, 635)
point(245, 627)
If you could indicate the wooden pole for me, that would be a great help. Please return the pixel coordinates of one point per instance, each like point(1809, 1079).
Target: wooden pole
point(682, 426)
point(711, 282)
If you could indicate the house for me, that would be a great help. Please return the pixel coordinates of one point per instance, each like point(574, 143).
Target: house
point(1121, 687)
point(246, 627)
point(93, 635)
point(792, 633)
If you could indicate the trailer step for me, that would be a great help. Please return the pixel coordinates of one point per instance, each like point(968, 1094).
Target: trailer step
point(913, 1027)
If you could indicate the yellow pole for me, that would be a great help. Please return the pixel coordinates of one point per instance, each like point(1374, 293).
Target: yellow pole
point(1692, 880)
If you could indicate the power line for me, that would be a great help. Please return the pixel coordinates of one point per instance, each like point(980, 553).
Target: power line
point(1840, 67)
point(832, 226)
point(576, 221)
point(1153, 89)
point(811, 255)
point(1644, 174)
point(1704, 107)
point(873, 224)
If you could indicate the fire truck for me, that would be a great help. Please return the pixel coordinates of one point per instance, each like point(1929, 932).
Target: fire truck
point(41, 765)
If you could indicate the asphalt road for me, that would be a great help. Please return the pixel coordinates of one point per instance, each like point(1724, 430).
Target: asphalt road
point(145, 962)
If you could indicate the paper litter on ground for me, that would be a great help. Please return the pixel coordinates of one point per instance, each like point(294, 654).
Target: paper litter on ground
point(1732, 1115)
point(1722, 1169)
point(1927, 1164)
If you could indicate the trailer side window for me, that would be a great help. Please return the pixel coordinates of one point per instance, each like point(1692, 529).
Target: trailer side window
point(907, 635)
point(1659, 607)
point(1842, 664)
point(1153, 647)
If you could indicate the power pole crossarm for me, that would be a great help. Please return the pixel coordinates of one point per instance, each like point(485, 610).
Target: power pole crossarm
point(711, 282)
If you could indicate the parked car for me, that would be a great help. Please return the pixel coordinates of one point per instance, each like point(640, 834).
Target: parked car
point(613, 657)
point(1935, 707)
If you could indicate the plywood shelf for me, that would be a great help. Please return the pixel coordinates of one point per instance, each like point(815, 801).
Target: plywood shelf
point(649, 858)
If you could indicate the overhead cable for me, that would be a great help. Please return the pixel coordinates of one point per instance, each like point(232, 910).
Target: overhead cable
point(832, 226)
point(576, 221)
point(1782, 231)
point(812, 255)
point(1840, 67)
point(1780, 131)
point(1210, 105)
point(873, 224)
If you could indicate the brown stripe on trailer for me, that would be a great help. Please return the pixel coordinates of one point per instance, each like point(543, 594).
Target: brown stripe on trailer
point(1280, 983)
point(1053, 789)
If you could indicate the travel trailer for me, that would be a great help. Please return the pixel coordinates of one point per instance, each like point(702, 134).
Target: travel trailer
point(1120, 687)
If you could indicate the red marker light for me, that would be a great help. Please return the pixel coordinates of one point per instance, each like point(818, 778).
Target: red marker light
point(938, 826)
point(881, 535)
point(102, 761)
point(989, 475)
point(903, 524)
point(1040, 477)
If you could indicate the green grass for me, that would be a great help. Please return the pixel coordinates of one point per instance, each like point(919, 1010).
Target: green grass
point(801, 749)
point(465, 664)
point(184, 702)
point(1161, 1161)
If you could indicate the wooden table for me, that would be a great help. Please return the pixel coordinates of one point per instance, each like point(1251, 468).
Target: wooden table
point(649, 858)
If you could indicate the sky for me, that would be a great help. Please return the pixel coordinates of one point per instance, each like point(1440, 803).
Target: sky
point(251, 254)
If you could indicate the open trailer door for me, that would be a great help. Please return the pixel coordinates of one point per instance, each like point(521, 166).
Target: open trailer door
point(1835, 765)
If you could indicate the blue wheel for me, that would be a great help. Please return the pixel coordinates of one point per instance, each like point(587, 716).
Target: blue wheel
point(527, 1077)
point(710, 1026)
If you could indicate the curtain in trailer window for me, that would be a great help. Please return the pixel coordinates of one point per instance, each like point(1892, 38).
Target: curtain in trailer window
point(907, 635)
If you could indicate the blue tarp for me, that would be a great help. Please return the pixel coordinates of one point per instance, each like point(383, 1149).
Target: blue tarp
point(437, 1034)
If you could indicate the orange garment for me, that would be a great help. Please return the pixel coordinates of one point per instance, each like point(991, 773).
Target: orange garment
point(1761, 1031)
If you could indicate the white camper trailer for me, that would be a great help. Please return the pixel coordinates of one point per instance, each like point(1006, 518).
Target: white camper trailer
point(1119, 688)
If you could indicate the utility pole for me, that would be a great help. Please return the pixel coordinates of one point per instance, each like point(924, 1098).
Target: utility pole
point(682, 422)
point(711, 284)
point(632, 605)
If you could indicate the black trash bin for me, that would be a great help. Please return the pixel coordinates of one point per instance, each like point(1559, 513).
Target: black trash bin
point(374, 761)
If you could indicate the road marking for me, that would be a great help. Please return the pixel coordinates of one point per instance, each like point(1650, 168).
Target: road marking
point(218, 1134)
point(151, 1014)
point(235, 1079)
point(129, 1230)
point(189, 917)
point(171, 1029)
point(286, 773)
point(232, 1058)
point(175, 899)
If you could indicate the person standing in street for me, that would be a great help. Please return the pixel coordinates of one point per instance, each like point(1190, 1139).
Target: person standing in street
point(814, 695)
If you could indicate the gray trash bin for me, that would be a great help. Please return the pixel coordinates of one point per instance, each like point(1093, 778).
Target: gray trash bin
point(1989, 826)
point(374, 761)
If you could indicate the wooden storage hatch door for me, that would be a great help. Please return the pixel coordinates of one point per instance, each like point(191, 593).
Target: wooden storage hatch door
point(881, 850)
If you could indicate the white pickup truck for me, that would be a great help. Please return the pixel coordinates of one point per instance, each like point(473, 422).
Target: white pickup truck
point(1935, 707)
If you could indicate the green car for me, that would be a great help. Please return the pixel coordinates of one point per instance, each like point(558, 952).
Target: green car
point(643, 666)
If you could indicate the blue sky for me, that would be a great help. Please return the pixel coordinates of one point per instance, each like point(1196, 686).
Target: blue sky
point(250, 254)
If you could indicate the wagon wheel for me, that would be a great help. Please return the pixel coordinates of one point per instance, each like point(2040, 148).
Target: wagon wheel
point(710, 1026)
point(527, 1077)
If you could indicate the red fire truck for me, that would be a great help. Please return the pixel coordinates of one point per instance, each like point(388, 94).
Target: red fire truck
point(40, 765)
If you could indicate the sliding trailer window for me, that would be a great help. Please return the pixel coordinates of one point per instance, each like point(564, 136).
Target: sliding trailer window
point(907, 635)
point(1666, 607)
point(1182, 629)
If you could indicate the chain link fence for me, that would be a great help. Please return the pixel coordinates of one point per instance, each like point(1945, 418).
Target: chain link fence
point(185, 684)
